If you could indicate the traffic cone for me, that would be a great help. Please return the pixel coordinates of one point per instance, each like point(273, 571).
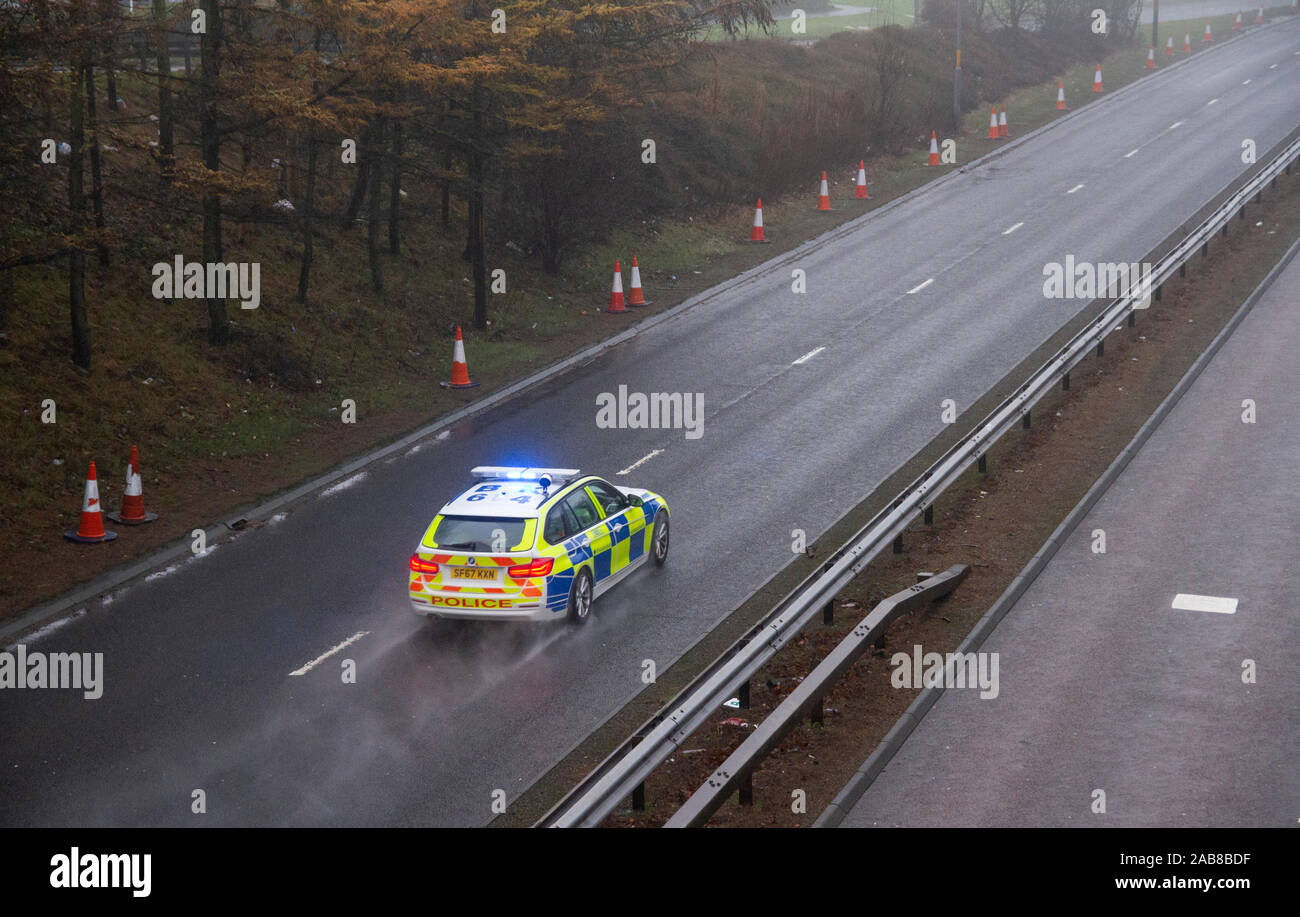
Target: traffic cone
point(1096, 80)
point(133, 512)
point(756, 234)
point(1060, 95)
point(934, 149)
point(459, 368)
point(1151, 58)
point(1169, 47)
point(1002, 123)
point(616, 304)
point(824, 195)
point(1236, 26)
point(860, 192)
point(634, 295)
point(1259, 17)
point(993, 123)
point(91, 529)
point(1208, 37)
point(1187, 42)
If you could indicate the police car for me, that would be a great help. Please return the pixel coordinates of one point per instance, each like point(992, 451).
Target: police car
point(534, 544)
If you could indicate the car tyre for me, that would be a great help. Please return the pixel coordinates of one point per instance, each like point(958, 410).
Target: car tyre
point(580, 597)
point(659, 541)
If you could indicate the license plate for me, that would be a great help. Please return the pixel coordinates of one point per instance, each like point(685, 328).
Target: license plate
point(472, 573)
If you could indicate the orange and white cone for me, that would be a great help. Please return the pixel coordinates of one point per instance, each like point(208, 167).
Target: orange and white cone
point(1259, 17)
point(860, 191)
point(1002, 123)
point(1096, 80)
point(91, 529)
point(1169, 47)
point(824, 195)
point(756, 234)
point(133, 512)
point(635, 296)
point(1187, 42)
point(616, 304)
point(1236, 26)
point(1151, 58)
point(1208, 37)
point(1060, 95)
point(993, 123)
point(934, 149)
point(459, 368)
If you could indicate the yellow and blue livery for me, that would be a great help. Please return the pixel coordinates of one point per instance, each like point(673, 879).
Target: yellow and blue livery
point(532, 544)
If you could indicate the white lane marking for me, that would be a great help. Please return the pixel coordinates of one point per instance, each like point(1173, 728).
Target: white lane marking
point(1212, 603)
point(1130, 154)
point(808, 356)
point(327, 654)
point(1009, 230)
point(921, 286)
point(640, 461)
point(1075, 188)
point(1175, 125)
point(1245, 82)
point(1211, 102)
point(1272, 66)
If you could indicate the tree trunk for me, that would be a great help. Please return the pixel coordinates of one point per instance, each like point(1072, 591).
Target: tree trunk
point(478, 225)
point(362, 182)
point(77, 208)
point(308, 218)
point(395, 191)
point(446, 188)
point(96, 176)
point(210, 141)
point(166, 148)
point(373, 214)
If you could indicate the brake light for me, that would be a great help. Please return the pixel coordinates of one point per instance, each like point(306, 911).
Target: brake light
point(422, 566)
point(539, 567)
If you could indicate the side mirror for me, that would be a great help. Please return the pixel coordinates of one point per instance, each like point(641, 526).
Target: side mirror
point(634, 500)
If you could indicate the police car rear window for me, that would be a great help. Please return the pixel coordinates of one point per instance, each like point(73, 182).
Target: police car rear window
point(478, 533)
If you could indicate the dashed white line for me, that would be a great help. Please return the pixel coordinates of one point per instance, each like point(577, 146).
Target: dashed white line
point(1212, 603)
point(808, 356)
point(328, 653)
point(1075, 188)
point(1211, 102)
point(1245, 82)
point(641, 461)
point(1130, 154)
point(1272, 66)
point(1010, 229)
point(1175, 125)
point(921, 286)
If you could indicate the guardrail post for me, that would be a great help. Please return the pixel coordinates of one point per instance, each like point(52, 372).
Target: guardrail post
point(984, 465)
point(1132, 317)
point(898, 543)
point(638, 797)
point(1241, 214)
point(1065, 382)
point(1101, 348)
point(1159, 294)
point(1205, 250)
point(1182, 269)
point(929, 515)
point(1259, 196)
point(743, 694)
point(815, 716)
point(828, 612)
point(1025, 422)
point(745, 795)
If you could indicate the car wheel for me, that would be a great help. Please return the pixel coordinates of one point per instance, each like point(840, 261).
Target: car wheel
point(580, 598)
point(659, 546)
